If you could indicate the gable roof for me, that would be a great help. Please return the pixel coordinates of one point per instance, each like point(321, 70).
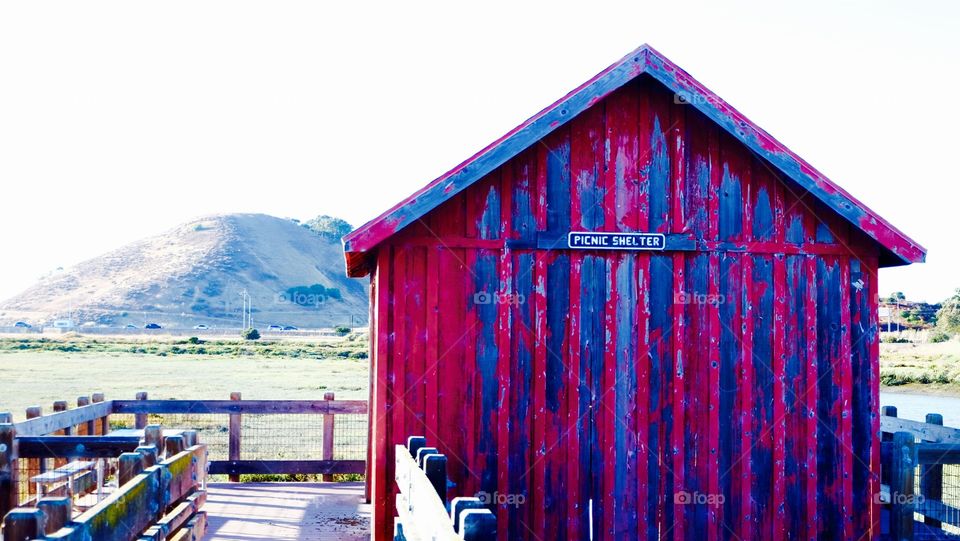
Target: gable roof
point(898, 248)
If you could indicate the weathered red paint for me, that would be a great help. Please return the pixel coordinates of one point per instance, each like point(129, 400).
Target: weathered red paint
point(611, 384)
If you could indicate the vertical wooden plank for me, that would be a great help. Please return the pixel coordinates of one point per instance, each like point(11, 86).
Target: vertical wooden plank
point(454, 370)
point(761, 454)
point(748, 515)
point(574, 423)
point(33, 465)
point(326, 452)
point(235, 436)
point(102, 426)
point(9, 471)
point(380, 415)
point(731, 366)
point(140, 419)
point(811, 392)
point(487, 354)
point(846, 403)
point(794, 396)
point(678, 367)
point(415, 311)
point(84, 429)
point(712, 361)
point(61, 405)
point(873, 341)
point(902, 466)
point(829, 404)
point(660, 509)
point(431, 374)
point(509, 525)
point(541, 444)
point(657, 147)
point(399, 428)
point(779, 417)
point(864, 380)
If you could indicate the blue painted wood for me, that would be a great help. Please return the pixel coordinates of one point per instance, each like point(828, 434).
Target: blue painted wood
point(486, 278)
point(521, 380)
point(729, 408)
point(593, 287)
point(828, 388)
point(558, 326)
point(627, 392)
point(660, 480)
point(761, 456)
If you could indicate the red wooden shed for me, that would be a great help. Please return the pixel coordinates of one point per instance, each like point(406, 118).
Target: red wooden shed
point(641, 312)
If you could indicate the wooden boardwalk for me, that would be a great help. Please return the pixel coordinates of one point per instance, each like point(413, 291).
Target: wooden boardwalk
point(282, 511)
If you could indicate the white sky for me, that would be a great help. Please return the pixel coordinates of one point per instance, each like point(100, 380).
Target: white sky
point(121, 119)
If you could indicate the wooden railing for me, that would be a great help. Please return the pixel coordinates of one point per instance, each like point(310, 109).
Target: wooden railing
point(66, 435)
point(153, 502)
point(907, 464)
point(423, 511)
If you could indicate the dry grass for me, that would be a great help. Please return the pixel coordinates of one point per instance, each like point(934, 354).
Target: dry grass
point(932, 367)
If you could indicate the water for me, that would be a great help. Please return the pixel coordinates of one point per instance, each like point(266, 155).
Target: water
point(916, 406)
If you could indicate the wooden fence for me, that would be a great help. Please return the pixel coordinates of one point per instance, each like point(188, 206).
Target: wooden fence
point(423, 511)
point(25, 447)
point(154, 501)
point(913, 459)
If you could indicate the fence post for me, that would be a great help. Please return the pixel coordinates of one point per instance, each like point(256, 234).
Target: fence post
point(56, 513)
point(435, 467)
point(33, 465)
point(140, 419)
point(931, 477)
point(23, 524)
point(902, 464)
point(9, 483)
point(153, 435)
point(58, 406)
point(103, 426)
point(234, 447)
point(886, 411)
point(84, 429)
point(327, 451)
point(130, 466)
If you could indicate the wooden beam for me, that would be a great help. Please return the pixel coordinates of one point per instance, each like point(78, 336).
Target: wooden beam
point(62, 420)
point(235, 431)
point(75, 446)
point(267, 467)
point(201, 407)
point(9, 471)
point(924, 431)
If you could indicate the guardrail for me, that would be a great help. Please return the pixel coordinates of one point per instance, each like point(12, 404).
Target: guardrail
point(913, 455)
point(423, 511)
point(153, 502)
point(305, 446)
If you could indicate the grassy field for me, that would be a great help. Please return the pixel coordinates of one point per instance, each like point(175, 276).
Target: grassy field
point(39, 372)
point(929, 368)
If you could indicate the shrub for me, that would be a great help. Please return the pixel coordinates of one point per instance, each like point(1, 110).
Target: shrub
point(341, 330)
point(250, 334)
point(194, 340)
point(937, 337)
point(895, 340)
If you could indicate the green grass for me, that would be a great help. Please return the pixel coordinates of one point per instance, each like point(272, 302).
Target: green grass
point(932, 367)
point(41, 371)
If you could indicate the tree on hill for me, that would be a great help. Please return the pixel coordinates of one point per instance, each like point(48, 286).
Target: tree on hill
point(329, 227)
point(896, 297)
point(948, 317)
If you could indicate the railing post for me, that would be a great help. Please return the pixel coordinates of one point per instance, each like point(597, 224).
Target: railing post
point(173, 445)
point(9, 483)
point(435, 467)
point(103, 425)
point(130, 466)
point(931, 477)
point(902, 464)
point(58, 406)
point(56, 513)
point(327, 451)
point(84, 429)
point(886, 411)
point(23, 524)
point(140, 419)
point(234, 447)
point(34, 465)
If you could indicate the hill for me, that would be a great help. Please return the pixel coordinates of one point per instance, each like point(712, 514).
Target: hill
point(196, 273)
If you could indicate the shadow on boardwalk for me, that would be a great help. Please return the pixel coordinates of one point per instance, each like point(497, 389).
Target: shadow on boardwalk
point(315, 511)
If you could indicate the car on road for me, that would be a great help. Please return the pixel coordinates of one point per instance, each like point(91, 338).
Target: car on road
point(130, 326)
point(290, 328)
point(152, 326)
point(274, 328)
point(201, 327)
point(23, 325)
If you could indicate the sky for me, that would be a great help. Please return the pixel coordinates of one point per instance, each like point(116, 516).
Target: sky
point(120, 120)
